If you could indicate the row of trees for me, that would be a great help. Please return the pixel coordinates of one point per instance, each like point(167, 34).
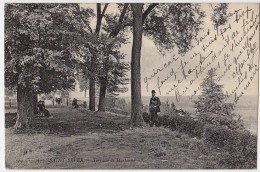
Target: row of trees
point(48, 46)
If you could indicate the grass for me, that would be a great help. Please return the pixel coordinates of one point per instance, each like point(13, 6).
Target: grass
point(74, 139)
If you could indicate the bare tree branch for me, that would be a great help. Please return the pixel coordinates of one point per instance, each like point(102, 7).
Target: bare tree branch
point(145, 14)
point(100, 16)
point(148, 10)
point(121, 18)
point(104, 9)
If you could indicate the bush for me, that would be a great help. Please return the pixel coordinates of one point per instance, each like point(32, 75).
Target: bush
point(184, 124)
point(241, 145)
point(187, 125)
point(146, 117)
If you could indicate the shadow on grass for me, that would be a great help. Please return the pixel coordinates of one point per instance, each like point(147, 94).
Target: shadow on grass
point(72, 122)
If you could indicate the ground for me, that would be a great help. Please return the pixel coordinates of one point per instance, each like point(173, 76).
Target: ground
point(74, 139)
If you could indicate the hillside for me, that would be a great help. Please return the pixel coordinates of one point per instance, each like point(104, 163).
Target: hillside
point(73, 139)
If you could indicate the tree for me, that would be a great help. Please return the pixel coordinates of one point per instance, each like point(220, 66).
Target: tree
point(166, 25)
point(90, 70)
point(38, 57)
point(93, 63)
point(210, 106)
point(136, 101)
point(114, 80)
point(114, 30)
point(219, 16)
point(108, 32)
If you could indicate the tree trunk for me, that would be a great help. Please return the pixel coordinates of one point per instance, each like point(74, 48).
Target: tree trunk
point(85, 92)
point(102, 94)
point(136, 101)
point(25, 108)
point(35, 101)
point(93, 60)
point(92, 93)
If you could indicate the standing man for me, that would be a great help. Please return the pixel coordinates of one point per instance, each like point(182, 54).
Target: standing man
point(154, 107)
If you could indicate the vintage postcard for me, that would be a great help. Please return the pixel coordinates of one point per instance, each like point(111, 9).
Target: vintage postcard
point(131, 85)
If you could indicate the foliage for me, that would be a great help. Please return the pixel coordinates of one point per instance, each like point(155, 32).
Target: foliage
point(170, 25)
point(184, 124)
point(241, 145)
point(219, 15)
point(211, 107)
point(117, 76)
point(38, 45)
point(109, 60)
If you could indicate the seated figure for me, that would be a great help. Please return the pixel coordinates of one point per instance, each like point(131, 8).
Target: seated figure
point(75, 103)
point(42, 110)
point(41, 107)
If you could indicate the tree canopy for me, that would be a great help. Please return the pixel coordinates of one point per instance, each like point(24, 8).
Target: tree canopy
point(38, 45)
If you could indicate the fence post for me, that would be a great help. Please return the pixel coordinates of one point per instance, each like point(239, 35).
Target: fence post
point(10, 103)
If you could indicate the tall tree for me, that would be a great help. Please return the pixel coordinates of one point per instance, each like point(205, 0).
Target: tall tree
point(136, 101)
point(38, 52)
point(114, 30)
point(93, 67)
point(108, 31)
point(166, 25)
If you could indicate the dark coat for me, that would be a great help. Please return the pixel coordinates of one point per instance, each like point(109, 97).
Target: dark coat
point(154, 104)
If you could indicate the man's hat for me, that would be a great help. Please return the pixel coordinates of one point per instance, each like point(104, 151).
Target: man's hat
point(153, 91)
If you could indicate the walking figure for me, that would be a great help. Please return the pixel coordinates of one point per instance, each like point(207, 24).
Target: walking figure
point(154, 107)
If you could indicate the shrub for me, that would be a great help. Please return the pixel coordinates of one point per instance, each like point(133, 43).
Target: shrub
point(184, 124)
point(146, 117)
point(241, 145)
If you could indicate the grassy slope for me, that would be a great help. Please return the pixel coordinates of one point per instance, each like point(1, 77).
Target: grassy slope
point(72, 139)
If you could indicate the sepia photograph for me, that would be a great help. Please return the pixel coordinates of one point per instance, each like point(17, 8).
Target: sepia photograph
point(131, 85)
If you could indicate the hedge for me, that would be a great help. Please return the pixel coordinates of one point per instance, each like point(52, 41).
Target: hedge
point(241, 144)
point(184, 124)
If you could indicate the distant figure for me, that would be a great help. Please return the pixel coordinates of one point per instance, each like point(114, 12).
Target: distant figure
point(154, 107)
point(58, 100)
point(75, 103)
point(42, 110)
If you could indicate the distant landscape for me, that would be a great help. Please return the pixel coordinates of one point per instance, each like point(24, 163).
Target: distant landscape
point(246, 107)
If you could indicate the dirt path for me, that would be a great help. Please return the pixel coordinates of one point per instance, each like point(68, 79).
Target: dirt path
point(102, 141)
